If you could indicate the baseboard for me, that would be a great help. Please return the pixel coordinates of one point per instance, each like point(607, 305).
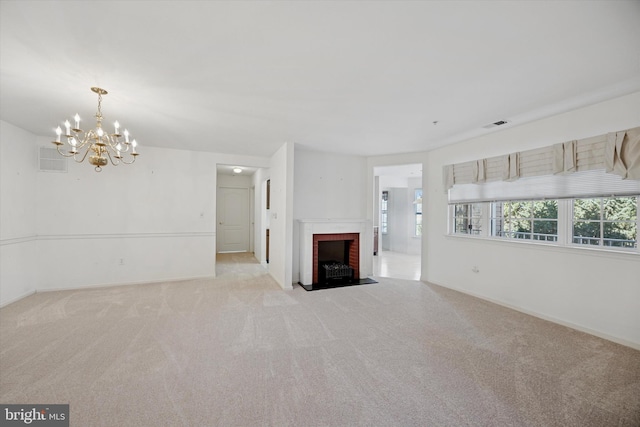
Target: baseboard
point(286, 288)
point(552, 319)
point(113, 285)
point(18, 298)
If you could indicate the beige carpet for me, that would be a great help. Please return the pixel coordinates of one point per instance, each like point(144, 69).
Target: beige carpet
point(237, 351)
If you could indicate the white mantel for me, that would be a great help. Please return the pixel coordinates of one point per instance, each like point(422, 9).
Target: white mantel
point(309, 227)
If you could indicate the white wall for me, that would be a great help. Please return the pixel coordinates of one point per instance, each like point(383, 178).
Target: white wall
point(281, 221)
point(151, 221)
point(234, 181)
point(595, 291)
point(18, 265)
point(327, 185)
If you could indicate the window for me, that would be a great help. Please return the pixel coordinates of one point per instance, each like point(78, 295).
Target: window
point(468, 218)
point(533, 220)
point(383, 212)
point(579, 193)
point(417, 203)
point(605, 221)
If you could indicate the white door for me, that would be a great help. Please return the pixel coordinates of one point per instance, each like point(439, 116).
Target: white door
point(233, 219)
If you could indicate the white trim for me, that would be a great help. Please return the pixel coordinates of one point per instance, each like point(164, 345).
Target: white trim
point(542, 316)
point(18, 298)
point(32, 238)
point(18, 240)
point(100, 286)
point(124, 235)
point(309, 227)
point(113, 285)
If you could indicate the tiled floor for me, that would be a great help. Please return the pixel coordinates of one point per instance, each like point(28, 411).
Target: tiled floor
point(396, 265)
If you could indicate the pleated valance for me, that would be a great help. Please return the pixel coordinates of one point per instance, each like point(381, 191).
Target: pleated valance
point(616, 153)
point(603, 165)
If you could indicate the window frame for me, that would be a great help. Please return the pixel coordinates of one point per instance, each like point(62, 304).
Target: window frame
point(531, 219)
point(384, 212)
point(483, 219)
point(601, 222)
point(417, 212)
point(564, 227)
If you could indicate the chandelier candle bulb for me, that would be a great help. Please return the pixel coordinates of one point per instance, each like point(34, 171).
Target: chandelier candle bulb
point(126, 136)
point(58, 133)
point(67, 126)
point(116, 126)
point(134, 144)
point(77, 119)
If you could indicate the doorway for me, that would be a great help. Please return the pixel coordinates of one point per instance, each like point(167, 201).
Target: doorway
point(233, 219)
point(398, 221)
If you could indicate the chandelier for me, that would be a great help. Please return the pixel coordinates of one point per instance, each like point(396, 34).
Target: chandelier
point(97, 141)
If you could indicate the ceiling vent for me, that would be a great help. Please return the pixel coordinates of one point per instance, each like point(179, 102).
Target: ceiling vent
point(495, 124)
point(51, 161)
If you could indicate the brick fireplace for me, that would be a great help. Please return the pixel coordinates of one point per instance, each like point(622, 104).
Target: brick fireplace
point(352, 257)
point(356, 234)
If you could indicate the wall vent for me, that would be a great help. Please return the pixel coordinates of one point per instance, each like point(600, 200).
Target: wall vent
point(495, 124)
point(51, 161)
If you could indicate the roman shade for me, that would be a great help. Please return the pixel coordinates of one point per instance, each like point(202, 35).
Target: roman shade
point(604, 165)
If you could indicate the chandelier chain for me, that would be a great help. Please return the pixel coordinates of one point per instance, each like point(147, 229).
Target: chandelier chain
point(100, 104)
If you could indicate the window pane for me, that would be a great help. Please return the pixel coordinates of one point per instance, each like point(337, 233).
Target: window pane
point(461, 225)
point(545, 227)
point(545, 209)
point(522, 226)
point(583, 230)
point(620, 208)
point(586, 209)
point(620, 234)
point(477, 225)
point(383, 212)
point(461, 210)
point(587, 228)
point(417, 203)
point(608, 221)
point(535, 220)
point(468, 218)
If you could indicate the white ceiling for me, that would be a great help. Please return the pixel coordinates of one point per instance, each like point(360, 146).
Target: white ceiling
point(229, 170)
point(352, 77)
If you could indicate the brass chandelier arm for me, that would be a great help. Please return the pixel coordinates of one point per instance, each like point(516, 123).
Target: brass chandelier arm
point(133, 159)
point(65, 155)
point(116, 163)
point(83, 157)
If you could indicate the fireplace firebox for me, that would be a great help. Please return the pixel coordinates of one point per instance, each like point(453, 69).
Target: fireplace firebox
point(336, 256)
